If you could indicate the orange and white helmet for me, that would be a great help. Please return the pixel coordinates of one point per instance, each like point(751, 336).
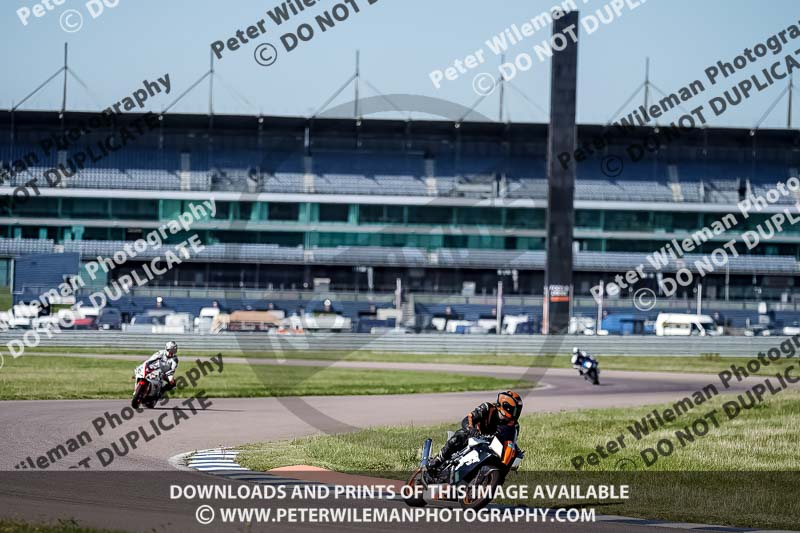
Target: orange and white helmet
point(509, 405)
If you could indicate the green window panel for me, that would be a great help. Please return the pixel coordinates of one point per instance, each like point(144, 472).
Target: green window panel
point(91, 208)
point(260, 212)
point(685, 222)
point(455, 241)
point(36, 207)
point(479, 216)
point(244, 211)
point(313, 213)
point(170, 209)
point(5, 276)
point(134, 209)
point(223, 211)
point(248, 210)
point(306, 213)
point(380, 214)
point(486, 242)
point(428, 215)
point(628, 221)
point(96, 234)
point(284, 212)
point(352, 214)
point(525, 218)
point(333, 212)
point(589, 219)
point(593, 245)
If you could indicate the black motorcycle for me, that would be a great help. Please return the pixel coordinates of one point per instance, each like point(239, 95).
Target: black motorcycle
point(471, 475)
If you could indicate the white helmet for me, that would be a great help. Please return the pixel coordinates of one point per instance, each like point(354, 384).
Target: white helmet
point(171, 348)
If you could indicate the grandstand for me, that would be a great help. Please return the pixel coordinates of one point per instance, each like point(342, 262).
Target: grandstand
point(365, 203)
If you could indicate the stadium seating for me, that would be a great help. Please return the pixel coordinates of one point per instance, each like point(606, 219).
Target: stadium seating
point(390, 173)
point(407, 257)
point(36, 274)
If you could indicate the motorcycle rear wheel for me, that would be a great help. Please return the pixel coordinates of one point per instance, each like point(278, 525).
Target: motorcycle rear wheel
point(415, 481)
point(487, 477)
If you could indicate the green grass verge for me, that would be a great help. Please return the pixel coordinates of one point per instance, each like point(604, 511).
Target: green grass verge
point(763, 438)
point(694, 484)
point(607, 362)
point(62, 526)
point(6, 301)
point(58, 378)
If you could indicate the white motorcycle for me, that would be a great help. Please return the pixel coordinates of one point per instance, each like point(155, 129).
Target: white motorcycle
point(147, 390)
point(472, 474)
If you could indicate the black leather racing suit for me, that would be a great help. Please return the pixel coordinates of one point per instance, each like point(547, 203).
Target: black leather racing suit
point(486, 420)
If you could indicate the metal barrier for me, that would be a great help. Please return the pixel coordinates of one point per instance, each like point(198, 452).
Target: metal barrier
point(411, 344)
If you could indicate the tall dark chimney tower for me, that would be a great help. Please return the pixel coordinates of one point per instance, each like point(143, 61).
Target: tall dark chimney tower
point(561, 181)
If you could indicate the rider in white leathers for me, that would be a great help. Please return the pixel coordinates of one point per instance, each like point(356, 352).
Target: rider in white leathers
point(166, 362)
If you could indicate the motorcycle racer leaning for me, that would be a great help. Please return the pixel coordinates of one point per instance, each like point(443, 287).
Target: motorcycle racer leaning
point(498, 418)
point(578, 357)
point(166, 362)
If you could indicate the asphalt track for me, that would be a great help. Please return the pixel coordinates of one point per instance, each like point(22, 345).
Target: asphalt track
point(114, 499)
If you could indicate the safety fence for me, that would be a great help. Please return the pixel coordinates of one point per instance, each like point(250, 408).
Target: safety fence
point(411, 344)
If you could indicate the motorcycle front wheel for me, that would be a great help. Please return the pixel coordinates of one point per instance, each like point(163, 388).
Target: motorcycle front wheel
point(485, 483)
point(415, 481)
point(138, 395)
point(594, 377)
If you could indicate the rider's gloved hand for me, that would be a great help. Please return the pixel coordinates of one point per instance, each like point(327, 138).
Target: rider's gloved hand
point(473, 432)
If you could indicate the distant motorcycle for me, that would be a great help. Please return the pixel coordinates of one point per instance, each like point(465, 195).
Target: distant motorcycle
point(147, 390)
point(587, 366)
point(471, 475)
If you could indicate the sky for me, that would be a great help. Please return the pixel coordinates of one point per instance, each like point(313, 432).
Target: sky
point(401, 42)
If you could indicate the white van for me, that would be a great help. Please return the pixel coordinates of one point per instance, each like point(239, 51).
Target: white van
point(22, 316)
point(682, 324)
point(204, 323)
